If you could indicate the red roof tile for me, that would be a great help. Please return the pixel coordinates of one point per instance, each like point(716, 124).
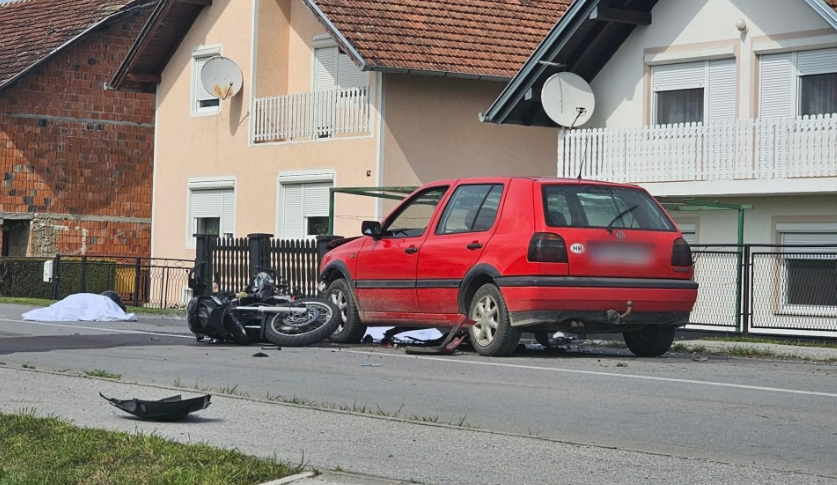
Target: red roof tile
point(833, 3)
point(32, 29)
point(477, 37)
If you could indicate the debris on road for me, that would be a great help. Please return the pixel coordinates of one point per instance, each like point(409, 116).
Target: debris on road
point(166, 410)
point(370, 365)
point(259, 354)
point(698, 359)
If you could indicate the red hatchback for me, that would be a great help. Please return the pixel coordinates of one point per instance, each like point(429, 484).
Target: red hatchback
point(538, 254)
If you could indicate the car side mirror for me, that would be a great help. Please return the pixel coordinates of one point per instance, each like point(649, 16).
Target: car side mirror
point(371, 228)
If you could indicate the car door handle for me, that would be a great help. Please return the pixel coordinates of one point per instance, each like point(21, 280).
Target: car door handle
point(411, 250)
point(474, 246)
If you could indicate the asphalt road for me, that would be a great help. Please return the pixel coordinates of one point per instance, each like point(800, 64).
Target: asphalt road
point(777, 416)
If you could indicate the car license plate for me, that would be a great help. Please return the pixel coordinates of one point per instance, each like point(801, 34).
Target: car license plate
point(621, 254)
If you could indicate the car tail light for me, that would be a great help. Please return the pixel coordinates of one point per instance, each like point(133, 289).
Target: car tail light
point(545, 247)
point(681, 254)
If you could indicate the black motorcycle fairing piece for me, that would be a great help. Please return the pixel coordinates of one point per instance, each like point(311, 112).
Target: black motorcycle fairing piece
point(165, 410)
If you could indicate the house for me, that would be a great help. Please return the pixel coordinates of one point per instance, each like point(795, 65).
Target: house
point(336, 93)
point(76, 158)
point(732, 101)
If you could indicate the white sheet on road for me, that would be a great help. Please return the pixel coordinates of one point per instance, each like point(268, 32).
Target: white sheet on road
point(377, 334)
point(83, 307)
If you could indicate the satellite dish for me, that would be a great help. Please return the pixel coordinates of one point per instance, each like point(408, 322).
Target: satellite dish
point(568, 100)
point(221, 77)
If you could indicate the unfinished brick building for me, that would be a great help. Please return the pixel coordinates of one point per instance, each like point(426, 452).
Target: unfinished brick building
point(76, 159)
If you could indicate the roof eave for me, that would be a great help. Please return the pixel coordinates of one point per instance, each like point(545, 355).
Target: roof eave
point(338, 36)
point(445, 74)
point(502, 106)
point(826, 11)
point(110, 18)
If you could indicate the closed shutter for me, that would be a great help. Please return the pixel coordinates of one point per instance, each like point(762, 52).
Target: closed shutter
point(201, 94)
point(722, 88)
point(811, 238)
point(325, 69)
point(292, 218)
point(689, 233)
point(778, 86)
point(348, 74)
point(672, 77)
point(228, 214)
point(821, 61)
point(207, 203)
point(315, 199)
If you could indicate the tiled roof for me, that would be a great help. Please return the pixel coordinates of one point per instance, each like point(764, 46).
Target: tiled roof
point(476, 37)
point(833, 3)
point(32, 29)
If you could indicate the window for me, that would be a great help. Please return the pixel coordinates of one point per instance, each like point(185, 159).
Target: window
point(413, 219)
point(689, 232)
point(810, 273)
point(212, 210)
point(799, 83)
point(203, 103)
point(333, 69)
point(305, 209)
point(473, 208)
point(694, 92)
point(600, 206)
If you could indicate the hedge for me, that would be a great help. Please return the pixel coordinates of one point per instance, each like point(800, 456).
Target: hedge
point(23, 277)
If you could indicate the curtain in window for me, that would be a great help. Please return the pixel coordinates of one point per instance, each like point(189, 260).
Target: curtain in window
point(818, 94)
point(681, 106)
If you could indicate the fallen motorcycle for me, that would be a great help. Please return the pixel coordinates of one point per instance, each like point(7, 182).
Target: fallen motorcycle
point(263, 311)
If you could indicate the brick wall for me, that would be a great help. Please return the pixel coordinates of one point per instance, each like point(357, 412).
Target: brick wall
point(68, 147)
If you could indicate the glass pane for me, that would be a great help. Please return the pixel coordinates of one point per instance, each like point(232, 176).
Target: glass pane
point(317, 226)
point(812, 282)
point(414, 218)
point(819, 95)
point(683, 106)
point(599, 206)
point(209, 103)
point(488, 212)
point(461, 212)
point(209, 225)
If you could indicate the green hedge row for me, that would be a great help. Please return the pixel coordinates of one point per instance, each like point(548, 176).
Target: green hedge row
point(23, 277)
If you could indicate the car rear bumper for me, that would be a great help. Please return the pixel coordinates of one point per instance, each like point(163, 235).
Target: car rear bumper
point(536, 300)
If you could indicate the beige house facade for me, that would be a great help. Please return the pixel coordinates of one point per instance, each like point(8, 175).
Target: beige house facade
point(312, 114)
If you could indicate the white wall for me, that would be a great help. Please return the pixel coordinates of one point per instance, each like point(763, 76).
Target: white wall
point(685, 25)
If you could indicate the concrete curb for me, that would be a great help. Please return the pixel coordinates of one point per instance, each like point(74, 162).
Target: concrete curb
point(291, 479)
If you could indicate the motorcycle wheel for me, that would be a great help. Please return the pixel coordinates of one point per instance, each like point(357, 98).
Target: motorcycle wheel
point(300, 330)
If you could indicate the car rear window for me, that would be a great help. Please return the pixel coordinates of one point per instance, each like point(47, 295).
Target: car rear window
point(600, 205)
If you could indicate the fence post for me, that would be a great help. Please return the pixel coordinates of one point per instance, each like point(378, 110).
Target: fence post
point(56, 275)
point(322, 248)
point(747, 291)
point(137, 269)
point(83, 288)
point(204, 246)
point(259, 252)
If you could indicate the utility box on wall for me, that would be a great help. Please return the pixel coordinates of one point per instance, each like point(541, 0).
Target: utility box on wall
point(47, 271)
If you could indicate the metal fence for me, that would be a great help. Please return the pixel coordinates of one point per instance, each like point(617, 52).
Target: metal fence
point(717, 272)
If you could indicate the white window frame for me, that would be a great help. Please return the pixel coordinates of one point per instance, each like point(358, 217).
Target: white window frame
point(201, 52)
point(206, 183)
point(298, 177)
point(783, 307)
point(796, 81)
point(705, 57)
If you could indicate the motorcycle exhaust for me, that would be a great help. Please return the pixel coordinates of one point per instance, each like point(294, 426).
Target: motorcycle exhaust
point(272, 309)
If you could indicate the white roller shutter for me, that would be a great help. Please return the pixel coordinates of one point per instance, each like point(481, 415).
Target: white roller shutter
point(228, 213)
point(292, 217)
point(348, 74)
point(325, 69)
point(315, 200)
point(672, 77)
point(207, 203)
point(689, 233)
point(811, 238)
point(777, 86)
point(821, 61)
point(722, 88)
point(201, 94)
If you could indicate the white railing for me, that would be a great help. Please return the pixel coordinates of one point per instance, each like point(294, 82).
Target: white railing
point(311, 116)
point(762, 149)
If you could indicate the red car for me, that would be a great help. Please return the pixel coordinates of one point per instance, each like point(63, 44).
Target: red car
point(539, 254)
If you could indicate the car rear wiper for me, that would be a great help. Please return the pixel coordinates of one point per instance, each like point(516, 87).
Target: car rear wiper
point(621, 215)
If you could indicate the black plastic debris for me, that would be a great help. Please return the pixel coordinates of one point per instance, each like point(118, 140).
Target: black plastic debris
point(169, 409)
point(259, 354)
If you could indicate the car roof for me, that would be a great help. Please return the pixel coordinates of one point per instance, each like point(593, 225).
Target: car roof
point(543, 180)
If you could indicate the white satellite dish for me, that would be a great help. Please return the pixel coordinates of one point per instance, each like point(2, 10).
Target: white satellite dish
point(568, 100)
point(221, 77)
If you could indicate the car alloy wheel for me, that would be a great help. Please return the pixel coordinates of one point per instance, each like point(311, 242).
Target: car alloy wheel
point(339, 298)
point(485, 315)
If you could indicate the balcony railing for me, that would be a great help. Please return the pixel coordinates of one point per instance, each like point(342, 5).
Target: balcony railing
point(312, 116)
point(762, 149)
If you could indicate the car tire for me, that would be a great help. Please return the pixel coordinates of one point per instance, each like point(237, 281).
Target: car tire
point(351, 329)
point(492, 335)
point(651, 341)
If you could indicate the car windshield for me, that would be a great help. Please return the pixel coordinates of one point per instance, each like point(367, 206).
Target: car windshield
point(603, 206)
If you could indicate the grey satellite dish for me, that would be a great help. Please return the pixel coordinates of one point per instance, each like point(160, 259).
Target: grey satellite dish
point(568, 100)
point(221, 77)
